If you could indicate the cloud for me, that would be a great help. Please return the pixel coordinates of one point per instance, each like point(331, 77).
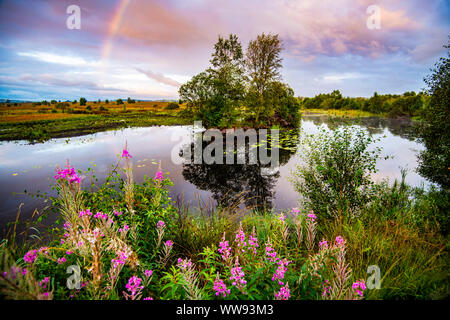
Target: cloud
point(160, 78)
point(60, 59)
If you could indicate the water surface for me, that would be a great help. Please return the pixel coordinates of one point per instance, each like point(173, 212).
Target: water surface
point(31, 167)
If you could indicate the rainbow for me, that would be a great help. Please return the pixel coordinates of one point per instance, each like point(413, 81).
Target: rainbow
point(113, 27)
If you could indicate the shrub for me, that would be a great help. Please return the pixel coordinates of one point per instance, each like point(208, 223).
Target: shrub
point(334, 178)
point(172, 106)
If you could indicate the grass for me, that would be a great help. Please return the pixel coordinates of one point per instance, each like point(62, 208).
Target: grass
point(342, 113)
point(37, 124)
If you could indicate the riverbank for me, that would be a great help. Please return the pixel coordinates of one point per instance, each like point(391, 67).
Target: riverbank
point(131, 241)
point(343, 113)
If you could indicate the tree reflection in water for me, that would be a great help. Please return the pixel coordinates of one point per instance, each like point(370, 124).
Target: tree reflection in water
point(246, 184)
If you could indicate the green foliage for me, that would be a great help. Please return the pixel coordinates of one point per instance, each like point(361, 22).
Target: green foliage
point(408, 104)
point(434, 131)
point(223, 95)
point(334, 176)
point(83, 101)
point(129, 100)
point(119, 101)
point(172, 106)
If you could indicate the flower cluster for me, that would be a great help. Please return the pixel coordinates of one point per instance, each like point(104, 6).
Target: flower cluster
point(240, 238)
point(340, 242)
point(224, 248)
point(126, 154)
point(359, 287)
point(326, 288)
point(134, 285)
point(160, 224)
point(323, 244)
point(271, 253)
point(85, 213)
point(30, 256)
point(283, 294)
point(148, 273)
point(221, 288)
point(281, 270)
point(68, 174)
point(253, 242)
point(159, 176)
point(101, 215)
point(61, 260)
point(237, 275)
point(120, 259)
point(124, 229)
point(184, 264)
point(44, 282)
point(311, 216)
point(14, 272)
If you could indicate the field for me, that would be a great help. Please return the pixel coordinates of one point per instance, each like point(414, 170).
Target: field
point(39, 122)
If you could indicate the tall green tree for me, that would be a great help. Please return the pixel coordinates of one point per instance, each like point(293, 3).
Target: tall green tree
point(215, 95)
point(434, 161)
point(263, 64)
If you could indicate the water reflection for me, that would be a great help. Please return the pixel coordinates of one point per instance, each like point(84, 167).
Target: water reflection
point(236, 184)
point(403, 127)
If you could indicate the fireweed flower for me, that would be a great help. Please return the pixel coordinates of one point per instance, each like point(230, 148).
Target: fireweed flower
point(184, 264)
point(148, 298)
point(326, 288)
point(101, 215)
point(253, 241)
point(311, 216)
point(224, 248)
point(30, 256)
point(359, 287)
point(61, 260)
point(124, 229)
point(148, 273)
point(282, 217)
point(271, 253)
point(68, 174)
point(281, 270)
point(168, 244)
point(323, 244)
point(283, 294)
point(220, 287)
point(44, 282)
point(159, 176)
point(160, 224)
point(240, 238)
point(295, 210)
point(340, 241)
point(134, 285)
point(120, 259)
point(237, 275)
point(117, 213)
point(85, 213)
point(126, 154)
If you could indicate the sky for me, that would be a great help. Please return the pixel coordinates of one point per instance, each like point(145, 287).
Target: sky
point(147, 49)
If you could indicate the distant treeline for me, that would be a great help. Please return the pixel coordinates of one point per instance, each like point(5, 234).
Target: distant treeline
point(394, 105)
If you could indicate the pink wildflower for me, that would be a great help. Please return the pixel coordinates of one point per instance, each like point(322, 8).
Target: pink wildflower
point(221, 288)
point(224, 248)
point(283, 294)
point(126, 154)
point(148, 273)
point(85, 213)
point(159, 176)
point(134, 285)
point(30, 256)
